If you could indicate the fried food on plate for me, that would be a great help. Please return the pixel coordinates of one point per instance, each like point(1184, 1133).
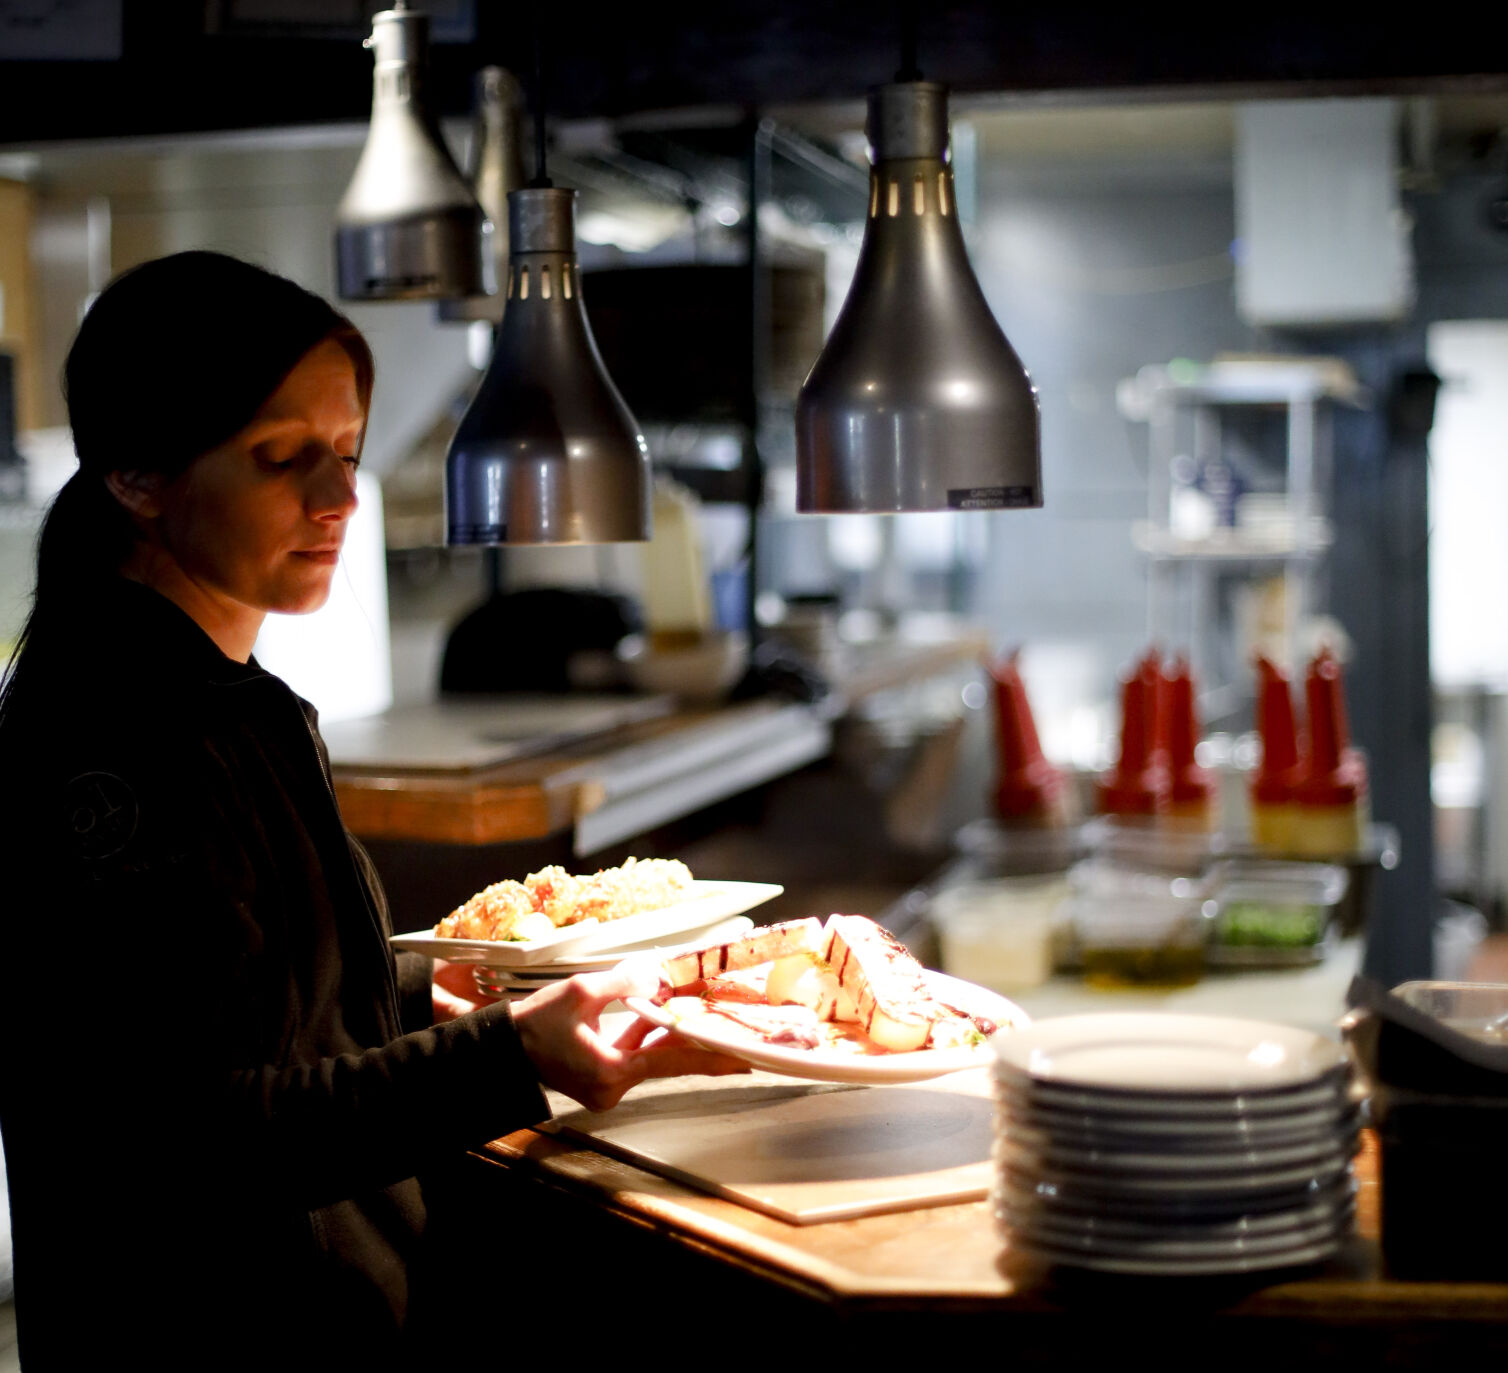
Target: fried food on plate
point(552, 898)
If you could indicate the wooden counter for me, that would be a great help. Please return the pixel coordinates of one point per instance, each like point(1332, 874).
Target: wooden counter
point(738, 1284)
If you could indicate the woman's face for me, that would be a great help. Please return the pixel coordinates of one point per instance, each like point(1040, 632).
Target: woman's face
point(257, 523)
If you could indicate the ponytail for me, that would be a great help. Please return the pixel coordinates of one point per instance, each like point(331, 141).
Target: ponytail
point(86, 535)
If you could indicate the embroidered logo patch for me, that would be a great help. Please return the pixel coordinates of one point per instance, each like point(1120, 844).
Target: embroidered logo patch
point(102, 814)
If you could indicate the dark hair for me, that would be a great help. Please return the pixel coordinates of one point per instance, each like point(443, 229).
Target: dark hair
point(173, 357)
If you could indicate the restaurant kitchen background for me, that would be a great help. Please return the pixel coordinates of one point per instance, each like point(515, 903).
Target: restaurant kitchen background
point(1126, 241)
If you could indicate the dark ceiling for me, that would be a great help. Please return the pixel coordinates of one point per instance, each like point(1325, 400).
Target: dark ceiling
point(194, 65)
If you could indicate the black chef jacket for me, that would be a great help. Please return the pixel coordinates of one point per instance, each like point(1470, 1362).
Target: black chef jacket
point(213, 1117)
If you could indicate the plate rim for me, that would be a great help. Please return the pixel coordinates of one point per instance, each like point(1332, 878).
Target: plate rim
point(1313, 1252)
point(1228, 1107)
point(1198, 1190)
point(1052, 1153)
point(1129, 1021)
point(1157, 1128)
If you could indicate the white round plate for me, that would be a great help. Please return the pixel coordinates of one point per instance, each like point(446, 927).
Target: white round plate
point(721, 932)
point(1028, 1149)
point(1334, 1095)
point(1230, 1188)
point(1038, 1229)
point(1169, 1055)
point(1024, 1189)
point(1178, 1268)
point(709, 902)
point(1083, 1129)
point(712, 1031)
point(494, 980)
point(1031, 1210)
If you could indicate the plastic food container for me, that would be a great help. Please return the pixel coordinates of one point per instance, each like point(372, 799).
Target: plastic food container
point(1137, 929)
point(1269, 915)
point(1478, 1010)
point(998, 932)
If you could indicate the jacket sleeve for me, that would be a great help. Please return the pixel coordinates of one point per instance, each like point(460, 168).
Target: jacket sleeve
point(323, 1130)
point(416, 1003)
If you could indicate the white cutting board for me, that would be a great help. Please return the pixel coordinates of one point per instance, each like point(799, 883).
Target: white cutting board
point(802, 1151)
point(480, 732)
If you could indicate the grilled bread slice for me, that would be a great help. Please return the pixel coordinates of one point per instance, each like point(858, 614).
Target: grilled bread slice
point(888, 987)
point(758, 946)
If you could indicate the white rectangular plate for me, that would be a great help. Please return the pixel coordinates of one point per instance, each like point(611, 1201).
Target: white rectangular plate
point(708, 903)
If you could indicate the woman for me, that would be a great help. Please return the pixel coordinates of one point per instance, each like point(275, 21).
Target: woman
point(217, 1090)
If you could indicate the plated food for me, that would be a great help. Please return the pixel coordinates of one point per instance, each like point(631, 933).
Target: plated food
point(553, 899)
point(840, 1000)
point(691, 917)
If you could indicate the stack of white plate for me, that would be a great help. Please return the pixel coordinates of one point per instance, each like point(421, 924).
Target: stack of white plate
point(1173, 1144)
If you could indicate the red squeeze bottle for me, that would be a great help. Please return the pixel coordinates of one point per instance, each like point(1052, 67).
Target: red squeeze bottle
point(1140, 776)
point(1190, 801)
point(1029, 790)
point(1332, 790)
point(1274, 811)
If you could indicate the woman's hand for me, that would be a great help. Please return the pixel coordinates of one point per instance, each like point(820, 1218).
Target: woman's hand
point(455, 991)
point(559, 1029)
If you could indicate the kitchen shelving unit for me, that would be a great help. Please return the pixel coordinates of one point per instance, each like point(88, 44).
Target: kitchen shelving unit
point(1201, 545)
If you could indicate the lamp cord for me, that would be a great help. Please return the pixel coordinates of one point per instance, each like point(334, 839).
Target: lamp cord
point(541, 172)
point(910, 23)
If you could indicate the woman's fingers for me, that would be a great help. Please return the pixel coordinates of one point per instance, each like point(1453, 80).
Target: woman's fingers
point(634, 1035)
point(676, 1057)
point(559, 1029)
point(632, 977)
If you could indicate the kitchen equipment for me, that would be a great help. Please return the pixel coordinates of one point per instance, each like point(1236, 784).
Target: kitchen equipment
point(457, 737)
point(408, 226)
point(1172, 1145)
point(1436, 1054)
point(494, 167)
point(547, 451)
point(676, 592)
point(571, 632)
point(703, 670)
point(917, 402)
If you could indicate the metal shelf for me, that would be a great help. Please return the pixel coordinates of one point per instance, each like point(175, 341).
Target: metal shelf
point(1233, 545)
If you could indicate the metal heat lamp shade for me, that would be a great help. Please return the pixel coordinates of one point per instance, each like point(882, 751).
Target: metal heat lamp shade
point(408, 226)
point(496, 167)
point(917, 402)
point(548, 452)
